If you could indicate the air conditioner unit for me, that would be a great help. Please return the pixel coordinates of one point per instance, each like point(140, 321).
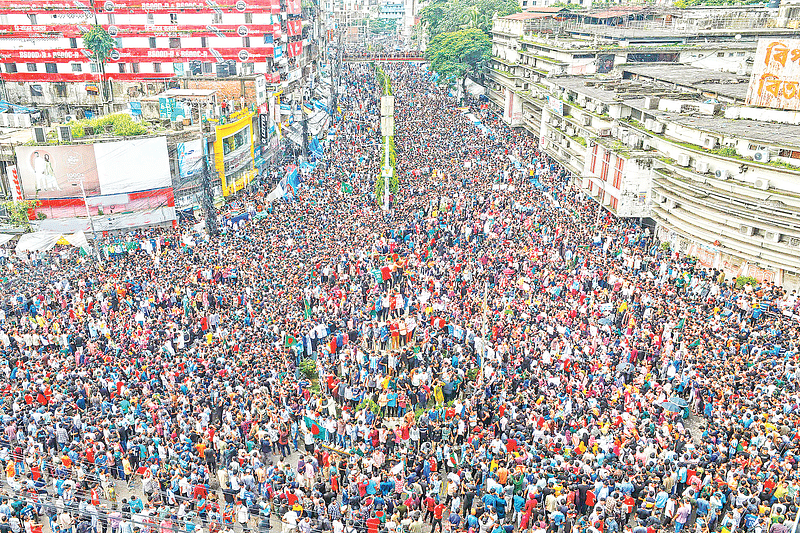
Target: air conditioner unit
point(772, 236)
point(747, 230)
point(648, 124)
point(605, 132)
point(39, 135)
point(710, 142)
point(663, 199)
point(582, 101)
point(658, 127)
point(570, 131)
point(762, 156)
point(64, 134)
point(672, 204)
point(601, 109)
point(701, 167)
point(683, 160)
point(762, 184)
point(70, 118)
point(651, 102)
point(646, 144)
point(794, 241)
point(586, 120)
point(722, 174)
point(554, 122)
point(634, 142)
point(565, 143)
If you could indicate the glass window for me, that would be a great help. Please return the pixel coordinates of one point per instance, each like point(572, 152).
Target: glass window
point(233, 142)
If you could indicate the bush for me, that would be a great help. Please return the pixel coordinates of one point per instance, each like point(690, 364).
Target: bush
point(121, 124)
point(741, 281)
point(308, 367)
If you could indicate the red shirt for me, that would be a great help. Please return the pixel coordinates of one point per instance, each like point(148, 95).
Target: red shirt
point(438, 511)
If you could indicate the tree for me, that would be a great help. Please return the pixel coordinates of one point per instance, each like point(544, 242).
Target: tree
point(18, 213)
point(383, 26)
point(100, 43)
point(444, 16)
point(456, 54)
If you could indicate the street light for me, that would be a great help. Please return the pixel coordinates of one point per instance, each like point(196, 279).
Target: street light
point(91, 220)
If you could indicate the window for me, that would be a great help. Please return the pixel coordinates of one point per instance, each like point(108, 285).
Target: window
point(720, 54)
point(93, 67)
point(793, 154)
point(111, 18)
point(614, 202)
point(593, 160)
point(217, 18)
point(61, 89)
point(36, 90)
point(31, 67)
point(156, 67)
point(207, 67)
point(173, 18)
point(121, 68)
point(32, 17)
point(152, 42)
point(151, 19)
point(740, 54)
point(73, 42)
point(76, 67)
point(246, 42)
point(203, 42)
point(135, 68)
point(174, 42)
point(11, 68)
point(604, 166)
point(119, 42)
point(618, 173)
point(524, 3)
point(248, 18)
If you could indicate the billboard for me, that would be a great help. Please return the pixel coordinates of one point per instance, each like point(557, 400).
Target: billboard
point(190, 157)
point(51, 172)
point(775, 80)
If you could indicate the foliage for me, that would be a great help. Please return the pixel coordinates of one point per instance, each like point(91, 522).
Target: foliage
point(665, 246)
point(445, 16)
point(120, 124)
point(19, 212)
point(456, 54)
point(472, 373)
point(308, 367)
point(741, 281)
point(366, 403)
point(99, 41)
point(725, 151)
point(383, 26)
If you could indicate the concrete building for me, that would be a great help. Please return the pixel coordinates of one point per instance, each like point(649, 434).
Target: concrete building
point(647, 132)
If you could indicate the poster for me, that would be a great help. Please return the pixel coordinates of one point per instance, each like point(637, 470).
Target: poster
point(775, 79)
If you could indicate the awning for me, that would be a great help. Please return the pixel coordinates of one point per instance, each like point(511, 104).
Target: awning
point(473, 88)
point(46, 240)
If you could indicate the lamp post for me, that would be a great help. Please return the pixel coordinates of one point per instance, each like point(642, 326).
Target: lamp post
point(91, 220)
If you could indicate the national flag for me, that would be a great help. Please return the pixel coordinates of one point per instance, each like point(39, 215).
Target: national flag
point(347, 188)
point(294, 27)
point(294, 49)
point(289, 341)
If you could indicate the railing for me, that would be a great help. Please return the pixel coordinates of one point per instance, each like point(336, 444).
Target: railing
point(384, 56)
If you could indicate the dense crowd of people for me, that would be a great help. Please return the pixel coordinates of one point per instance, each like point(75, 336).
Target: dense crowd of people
point(487, 356)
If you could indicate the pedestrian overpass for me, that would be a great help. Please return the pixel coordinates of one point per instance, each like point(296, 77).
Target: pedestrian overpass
point(383, 58)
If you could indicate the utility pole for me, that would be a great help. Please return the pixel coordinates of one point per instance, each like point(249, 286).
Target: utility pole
point(207, 198)
point(91, 221)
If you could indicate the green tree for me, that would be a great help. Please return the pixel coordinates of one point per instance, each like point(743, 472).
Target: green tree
point(445, 16)
point(379, 26)
point(17, 213)
point(457, 54)
point(100, 44)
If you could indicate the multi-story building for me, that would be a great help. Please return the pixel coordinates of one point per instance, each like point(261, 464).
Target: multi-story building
point(159, 45)
point(648, 133)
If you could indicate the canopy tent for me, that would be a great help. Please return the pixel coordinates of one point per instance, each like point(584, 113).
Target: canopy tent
point(46, 240)
point(475, 89)
point(5, 237)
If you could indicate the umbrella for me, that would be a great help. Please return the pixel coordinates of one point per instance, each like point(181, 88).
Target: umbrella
point(671, 407)
point(680, 402)
point(624, 367)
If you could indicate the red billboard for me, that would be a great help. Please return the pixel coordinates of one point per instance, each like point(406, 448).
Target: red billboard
point(28, 31)
point(141, 6)
point(128, 55)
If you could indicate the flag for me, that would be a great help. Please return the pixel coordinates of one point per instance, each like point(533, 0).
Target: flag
point(289, 341)
point(316, 148)
point(294, 27)
point(347, 188)
point(294, 49)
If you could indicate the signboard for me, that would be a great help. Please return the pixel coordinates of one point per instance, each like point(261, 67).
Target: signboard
point(165, 107)
point(140, 6)
point(28, 31)
point(56, 171)
point(263, 128)
point(556, 106)
point(261, 90)
point(775, 80)
point(190, 155)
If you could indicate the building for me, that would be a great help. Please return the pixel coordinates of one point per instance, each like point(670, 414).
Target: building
point(648, 132)
point(160, 45)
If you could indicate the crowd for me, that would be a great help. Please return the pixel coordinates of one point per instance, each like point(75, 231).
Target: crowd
point(487, 356)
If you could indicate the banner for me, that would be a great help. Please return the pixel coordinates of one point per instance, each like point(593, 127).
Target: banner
point(128, 55)
point(294, 27)
point(190, 156)
point(29, 31)
point(293, 7)
point(294, 49)
point(100, 7)
point(55, 171)
point(13, 181)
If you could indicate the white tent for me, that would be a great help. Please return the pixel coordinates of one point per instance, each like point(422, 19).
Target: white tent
point(46, 240)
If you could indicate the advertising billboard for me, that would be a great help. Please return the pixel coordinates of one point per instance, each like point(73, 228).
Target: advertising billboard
point(775, 79)
point(52, 172)
point(190, 157)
